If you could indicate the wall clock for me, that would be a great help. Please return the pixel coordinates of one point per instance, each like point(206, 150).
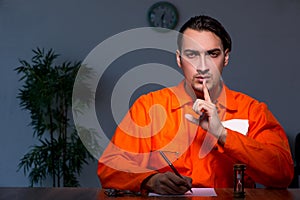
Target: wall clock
point(163, 14)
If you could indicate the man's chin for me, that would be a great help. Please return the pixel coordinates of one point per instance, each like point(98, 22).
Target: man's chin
point(198, 88)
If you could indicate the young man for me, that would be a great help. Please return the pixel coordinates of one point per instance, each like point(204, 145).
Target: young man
point(203, 127)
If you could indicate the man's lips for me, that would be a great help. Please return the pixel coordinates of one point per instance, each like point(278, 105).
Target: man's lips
point(200, 78)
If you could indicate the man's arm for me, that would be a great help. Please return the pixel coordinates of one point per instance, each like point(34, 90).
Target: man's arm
point(265, 149)
point(121, 166)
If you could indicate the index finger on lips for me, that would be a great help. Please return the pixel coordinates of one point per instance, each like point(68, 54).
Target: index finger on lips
point(206, 92)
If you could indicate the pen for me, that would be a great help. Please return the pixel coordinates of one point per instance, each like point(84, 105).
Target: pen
point(172, 166)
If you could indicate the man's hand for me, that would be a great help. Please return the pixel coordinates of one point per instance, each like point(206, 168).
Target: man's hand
point(211, 121)
point(168, 183)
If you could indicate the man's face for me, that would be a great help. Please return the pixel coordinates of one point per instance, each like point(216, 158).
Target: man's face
point(202, 57)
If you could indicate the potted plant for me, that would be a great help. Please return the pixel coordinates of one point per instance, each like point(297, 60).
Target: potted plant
point(47, 94)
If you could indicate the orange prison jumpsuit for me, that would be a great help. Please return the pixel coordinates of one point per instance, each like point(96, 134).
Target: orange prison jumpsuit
point(134, 156)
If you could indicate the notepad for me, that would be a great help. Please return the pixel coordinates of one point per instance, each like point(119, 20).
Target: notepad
point(204, 192)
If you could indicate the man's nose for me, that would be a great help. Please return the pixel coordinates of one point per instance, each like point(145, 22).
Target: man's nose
point(202, 66)
point(205, 71)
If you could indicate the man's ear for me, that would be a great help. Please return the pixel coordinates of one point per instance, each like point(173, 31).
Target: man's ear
point(178, 58)
point(226, 57)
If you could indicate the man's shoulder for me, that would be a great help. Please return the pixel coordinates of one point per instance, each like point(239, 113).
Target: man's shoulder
point(163, 93)
point(242, 97)
point(238, 95)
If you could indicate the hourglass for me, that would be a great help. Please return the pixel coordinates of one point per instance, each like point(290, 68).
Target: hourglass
point(238, 187)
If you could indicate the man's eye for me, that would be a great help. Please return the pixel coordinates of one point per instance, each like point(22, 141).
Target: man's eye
point(191, 55)
point(213, 54)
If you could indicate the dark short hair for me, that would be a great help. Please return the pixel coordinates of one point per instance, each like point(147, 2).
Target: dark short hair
point(206, 23)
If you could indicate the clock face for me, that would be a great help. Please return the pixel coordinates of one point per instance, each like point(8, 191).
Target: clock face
point(163, 14)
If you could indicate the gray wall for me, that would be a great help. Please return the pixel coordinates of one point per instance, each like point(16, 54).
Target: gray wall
point(264, 61)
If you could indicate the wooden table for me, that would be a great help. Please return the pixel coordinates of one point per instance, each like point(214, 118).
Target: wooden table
point(11, 193)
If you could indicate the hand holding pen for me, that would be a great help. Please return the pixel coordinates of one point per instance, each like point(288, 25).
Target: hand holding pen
point(173, 168)
point(167, 182)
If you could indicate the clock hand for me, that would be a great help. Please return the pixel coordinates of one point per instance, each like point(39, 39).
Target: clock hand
point(163, 18)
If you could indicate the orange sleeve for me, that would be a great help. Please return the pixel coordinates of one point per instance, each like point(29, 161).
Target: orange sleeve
point(117, 179)
point(119, 168)
point(265, 149)
point(123, 165)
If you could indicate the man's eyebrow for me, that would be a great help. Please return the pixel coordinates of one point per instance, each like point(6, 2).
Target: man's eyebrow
point(213, 50)
point(197, 52)
point(191, 51)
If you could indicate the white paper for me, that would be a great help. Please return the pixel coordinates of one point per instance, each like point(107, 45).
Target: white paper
point(238, 125)
point(204, 192)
